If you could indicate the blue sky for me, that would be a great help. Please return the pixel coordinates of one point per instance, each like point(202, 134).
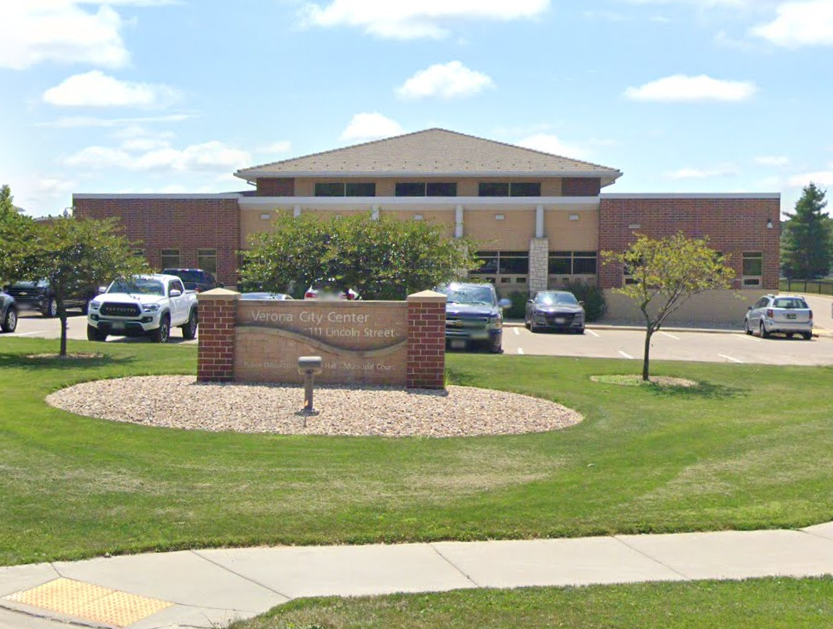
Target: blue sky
point(173, 96)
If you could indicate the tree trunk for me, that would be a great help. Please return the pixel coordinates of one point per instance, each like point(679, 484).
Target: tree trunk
point(646, 361)
point(62, 315)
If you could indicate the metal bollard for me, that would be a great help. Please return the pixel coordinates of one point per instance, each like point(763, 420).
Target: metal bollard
point(309, 367)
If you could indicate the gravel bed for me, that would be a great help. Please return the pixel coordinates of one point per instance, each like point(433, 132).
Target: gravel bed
point(180, 402)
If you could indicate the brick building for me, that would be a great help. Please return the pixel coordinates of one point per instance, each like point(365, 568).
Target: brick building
point(541, 219)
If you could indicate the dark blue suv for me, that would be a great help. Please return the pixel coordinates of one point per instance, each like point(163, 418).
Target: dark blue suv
point(473, 316)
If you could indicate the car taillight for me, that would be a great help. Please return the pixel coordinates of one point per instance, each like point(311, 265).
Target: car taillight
point(770, 314)
point(349, 296)
point(197, 290)
point(310, 294)
point(811, 315)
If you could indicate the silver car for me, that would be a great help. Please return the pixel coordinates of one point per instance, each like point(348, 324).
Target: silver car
point(780, 314)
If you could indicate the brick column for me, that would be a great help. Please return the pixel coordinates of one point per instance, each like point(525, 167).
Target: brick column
point(218, 320)
point(539, 264)
point(426, 340)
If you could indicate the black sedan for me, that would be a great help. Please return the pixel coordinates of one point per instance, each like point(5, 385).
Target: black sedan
point(8, 313)
point(555, 310)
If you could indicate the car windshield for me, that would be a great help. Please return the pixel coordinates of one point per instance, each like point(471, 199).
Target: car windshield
point(138, 286)
point(469, 295)
point(790, 303)
point(556, 299)
point(194, 277)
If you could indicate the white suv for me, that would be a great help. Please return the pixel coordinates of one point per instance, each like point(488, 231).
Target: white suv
point(780, 314)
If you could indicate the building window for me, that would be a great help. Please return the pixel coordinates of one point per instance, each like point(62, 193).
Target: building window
point(519, 189)
point(207, 260)
point(345, 189)
point(753, 269)
point(501, 263)
point(171, 259)
point(525, 190)
point(574, 263)
point(415, 189)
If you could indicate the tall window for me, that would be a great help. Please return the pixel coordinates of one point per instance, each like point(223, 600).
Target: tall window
point(504, 267)
point(753, 268)
point(574, 263)
point(207, 260)
point(519, 189)
point(358, 189)
point(171, 259)
point(417, 189)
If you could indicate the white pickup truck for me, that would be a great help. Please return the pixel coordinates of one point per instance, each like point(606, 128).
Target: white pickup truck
point(145, 305)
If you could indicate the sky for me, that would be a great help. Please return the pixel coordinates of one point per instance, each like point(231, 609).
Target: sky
point(173, 96)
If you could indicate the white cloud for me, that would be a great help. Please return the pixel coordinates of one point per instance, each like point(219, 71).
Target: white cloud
point(412, 19)
point(284, 146)
point(549, 143)
point(680, 88)
point(145, 144)
point(371, 126)
point(772, 160)
point(96, 89)
point(448, 80)
point(64, 31)
point(208, 157)
point(820, 177)
point(83, 122)
point(807, 23)
point(723, 170)
point(52, 187)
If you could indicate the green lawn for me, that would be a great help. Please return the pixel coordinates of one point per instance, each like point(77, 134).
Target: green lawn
point(761, 604)
point(751, 448)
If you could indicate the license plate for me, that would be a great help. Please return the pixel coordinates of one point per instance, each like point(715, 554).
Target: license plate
point(458, 345)
point(118, 326)
point(561, 320)
point(792, 317)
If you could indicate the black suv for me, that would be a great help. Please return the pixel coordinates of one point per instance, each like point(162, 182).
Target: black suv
point(8, 313)
point(38, 295)
point(194, 279)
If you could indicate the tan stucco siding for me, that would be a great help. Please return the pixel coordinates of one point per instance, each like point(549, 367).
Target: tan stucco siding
point(444, 218)
point(567, 235)
point(511, 234)
point(251, 223)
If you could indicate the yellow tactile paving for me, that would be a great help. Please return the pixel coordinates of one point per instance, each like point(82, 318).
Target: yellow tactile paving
point(90, 602)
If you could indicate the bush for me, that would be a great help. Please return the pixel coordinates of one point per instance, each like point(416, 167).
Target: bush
point(595, 304)
point(518, 308)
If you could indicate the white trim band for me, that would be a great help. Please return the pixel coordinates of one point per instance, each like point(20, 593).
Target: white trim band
point(234, 195)
point(695, 195)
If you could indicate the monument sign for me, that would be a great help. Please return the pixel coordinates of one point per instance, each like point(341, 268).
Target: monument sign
point(361, 342)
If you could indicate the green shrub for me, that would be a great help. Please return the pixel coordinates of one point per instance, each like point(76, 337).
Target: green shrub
point(518, 308)
point(595, 304)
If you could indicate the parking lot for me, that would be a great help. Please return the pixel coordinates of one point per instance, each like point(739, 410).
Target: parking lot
point(33, 325)
point(734, 348)
point(597, 342)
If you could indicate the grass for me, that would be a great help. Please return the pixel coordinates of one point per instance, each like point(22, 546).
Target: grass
point(750, 447)
point(769, 603)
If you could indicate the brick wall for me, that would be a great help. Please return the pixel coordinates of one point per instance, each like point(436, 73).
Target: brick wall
point(426, 341)
point(215, 358)
point(175, 223)
point(733, 225)
point(276, 187)
point(581, 187)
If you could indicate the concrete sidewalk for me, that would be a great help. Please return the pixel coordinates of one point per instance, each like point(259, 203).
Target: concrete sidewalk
point(214, 587)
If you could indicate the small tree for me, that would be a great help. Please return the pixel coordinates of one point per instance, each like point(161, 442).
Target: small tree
point(664, 274)
point(807, 244)
point(74, 255)
point(14, 232)
point(384, 258)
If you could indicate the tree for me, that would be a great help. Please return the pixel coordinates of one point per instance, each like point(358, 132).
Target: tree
point(664, 274)
point(73, 255)
point(384, 258)
point(807, 243)
point(14, 233)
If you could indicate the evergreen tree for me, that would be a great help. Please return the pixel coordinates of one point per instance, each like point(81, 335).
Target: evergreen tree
point(808, 245)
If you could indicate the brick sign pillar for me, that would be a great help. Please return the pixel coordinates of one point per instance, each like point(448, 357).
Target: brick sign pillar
point(218, 320)
point(426, 340)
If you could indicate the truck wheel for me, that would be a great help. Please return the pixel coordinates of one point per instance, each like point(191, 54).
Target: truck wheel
point(50, 311)
point(9, 324)
point(189, 330)
point(94, 334)
point(163, 332)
